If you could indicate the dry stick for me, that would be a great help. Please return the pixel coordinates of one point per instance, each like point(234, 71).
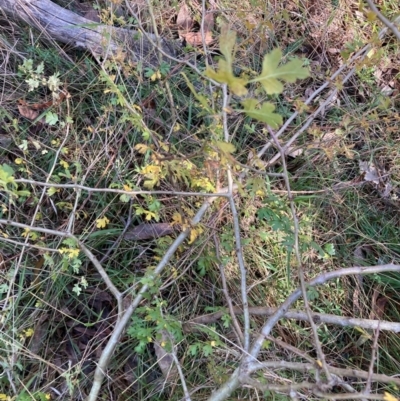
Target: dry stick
point(342, 321)
point(383, 19)
point(24, 244)
point(120, 327)
point(307, 367)
point(320, 353)
point(236, 229)
point(228, 299)
point(181, 376)
point(349, 396)
point(242, 371)
point(372, 362)
point(120, 191)
point(313, 388)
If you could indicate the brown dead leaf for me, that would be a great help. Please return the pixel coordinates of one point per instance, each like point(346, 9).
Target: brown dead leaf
point(185, 24)
point(195, 38)
point(28, 112)
point(184, 20)
point(378, 305)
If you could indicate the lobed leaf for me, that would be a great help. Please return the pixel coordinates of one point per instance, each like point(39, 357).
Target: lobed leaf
point(272, 74)
point(265, 113)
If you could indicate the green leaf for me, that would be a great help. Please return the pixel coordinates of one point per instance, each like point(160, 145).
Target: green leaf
point(265, 113)
point(224, 75)
point(271, 74)
point(51, 118)
point(8, 170)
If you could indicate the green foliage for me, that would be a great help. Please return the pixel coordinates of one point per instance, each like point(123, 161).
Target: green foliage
point(8, 184)
point(272, 75)
point(271, 78)
point(149, 323)
point(265, 113)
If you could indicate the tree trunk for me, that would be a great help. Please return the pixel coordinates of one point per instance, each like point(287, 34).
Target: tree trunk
point(65, 26)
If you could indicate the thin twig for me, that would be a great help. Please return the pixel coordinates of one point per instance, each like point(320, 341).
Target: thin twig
point(320, 353)
point(367, 389)
point(120, 191)
point(84, 249)
point(236, 228)
point(228, 299)
point(308, 367)
point(181, 375)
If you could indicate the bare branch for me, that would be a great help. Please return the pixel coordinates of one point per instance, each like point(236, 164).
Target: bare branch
point(120, 191)
point(308, 367)
point(85, 250)
point(228, 299)
point(236, 228)
point(342, 321)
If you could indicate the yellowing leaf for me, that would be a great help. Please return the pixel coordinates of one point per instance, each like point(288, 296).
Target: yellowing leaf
point(64, 164)
point(72, 253)
point(142, 148)
point(272, 75)
point(194, 233)
point(176, 218)
point(389, 397)
point(265, 113)
point(227, 42)
point(224, 74)
point(155, 76)
point(26, 232)
point(18, 160)
point(151, 169)
point(149, 215)
point(102, 223)
point(51, 191)
point(226, 147)
point(28, 332)
point(3, 397)
point(151, 183)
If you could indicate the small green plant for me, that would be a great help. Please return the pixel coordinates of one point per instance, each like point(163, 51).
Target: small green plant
point(149, 323)
point(8, 184)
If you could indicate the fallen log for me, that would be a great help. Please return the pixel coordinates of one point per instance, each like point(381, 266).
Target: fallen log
point(57, 23)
